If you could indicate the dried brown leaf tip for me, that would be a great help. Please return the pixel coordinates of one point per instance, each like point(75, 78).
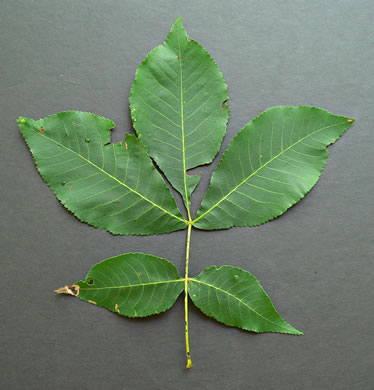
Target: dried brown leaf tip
point(69, 290)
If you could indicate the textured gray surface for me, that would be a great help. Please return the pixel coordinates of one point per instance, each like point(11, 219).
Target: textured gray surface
point(316, 261)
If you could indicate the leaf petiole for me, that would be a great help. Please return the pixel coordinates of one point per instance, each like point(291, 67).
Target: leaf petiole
point(186, 281)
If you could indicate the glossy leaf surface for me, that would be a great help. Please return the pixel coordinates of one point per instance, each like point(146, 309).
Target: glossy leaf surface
point(235, 297)
point(110, 186)
point(269, 166)
point(133, 285)
point(177, 107)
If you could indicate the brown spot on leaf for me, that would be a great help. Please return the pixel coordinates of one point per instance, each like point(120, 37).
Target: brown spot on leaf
point(140, 274)
point(224, 104)
point(349, 120)
point(70, 187)
point(116, 201)
point(42, 130)
point(126, 146)
point(178, 58)
point(117, 308)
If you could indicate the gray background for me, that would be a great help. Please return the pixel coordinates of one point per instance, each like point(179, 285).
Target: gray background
point(316, 261)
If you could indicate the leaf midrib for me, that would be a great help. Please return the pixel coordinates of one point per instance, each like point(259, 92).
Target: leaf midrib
point(112, 177)
point(243, 303)
point(133, 285)
point(261, 167)
point(182, 128)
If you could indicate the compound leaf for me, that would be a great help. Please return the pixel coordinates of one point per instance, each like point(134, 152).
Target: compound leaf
point(236, 298)
point(177, 107)
point(109, 186)
point(269, 166)
point(133, 285)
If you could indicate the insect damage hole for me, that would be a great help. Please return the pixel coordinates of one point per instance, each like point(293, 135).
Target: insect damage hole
point(224, 104)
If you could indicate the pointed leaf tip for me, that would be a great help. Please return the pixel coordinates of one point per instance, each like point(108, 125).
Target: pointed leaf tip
point(178, 22)
point(69, 290)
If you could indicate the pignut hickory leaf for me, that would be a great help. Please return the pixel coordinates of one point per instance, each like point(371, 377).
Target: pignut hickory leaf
point(269, 166)
point(177, 108)
point(109, 186)
point(133, 285)
point(236, 298)
point(178, 105)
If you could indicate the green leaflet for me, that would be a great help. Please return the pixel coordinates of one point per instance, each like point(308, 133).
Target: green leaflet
point(177, 108)
point(269, 166)
point(110, 186)
point(133, 285)
point(235, 297)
